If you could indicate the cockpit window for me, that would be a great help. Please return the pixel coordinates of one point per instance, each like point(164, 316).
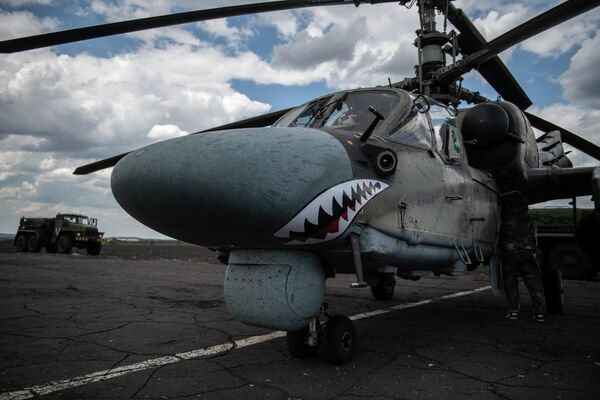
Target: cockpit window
point(439, 117)
point(349, 111)
point(423, 125)
point(304, 116)
point(352, 110)
point(414, 130)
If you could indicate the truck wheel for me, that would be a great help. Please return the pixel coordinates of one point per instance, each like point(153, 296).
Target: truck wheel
point(573, 262)
point(93, 249)
point(384, 289)
point(553, 290)
point(64, 244)
point(21, 243)
point(33, 244)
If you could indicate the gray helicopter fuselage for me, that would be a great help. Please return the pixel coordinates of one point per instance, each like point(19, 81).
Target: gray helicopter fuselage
point(309, 181)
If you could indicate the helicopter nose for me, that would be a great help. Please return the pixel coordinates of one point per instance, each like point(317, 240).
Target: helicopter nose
point(229, 188)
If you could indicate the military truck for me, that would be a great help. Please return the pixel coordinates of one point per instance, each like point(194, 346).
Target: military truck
point(569, 239)
point(59, 234)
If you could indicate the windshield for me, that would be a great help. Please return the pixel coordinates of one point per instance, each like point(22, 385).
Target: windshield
point(352, 110)
point(348, 110)
point(76, 219)
point(420, 126)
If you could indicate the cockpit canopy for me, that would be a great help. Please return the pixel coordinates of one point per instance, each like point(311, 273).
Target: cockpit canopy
point(405, 115)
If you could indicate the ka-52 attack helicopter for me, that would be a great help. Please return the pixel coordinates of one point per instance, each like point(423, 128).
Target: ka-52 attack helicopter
point(377, 182)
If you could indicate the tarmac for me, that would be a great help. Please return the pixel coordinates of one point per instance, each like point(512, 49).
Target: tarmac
point(150, 321)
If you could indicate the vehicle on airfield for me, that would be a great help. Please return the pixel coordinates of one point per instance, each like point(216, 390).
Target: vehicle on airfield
point(376, 182)
point(59, 234)
point(567, 239)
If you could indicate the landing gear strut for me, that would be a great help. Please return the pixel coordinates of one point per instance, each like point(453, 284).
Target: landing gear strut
point(335, 338)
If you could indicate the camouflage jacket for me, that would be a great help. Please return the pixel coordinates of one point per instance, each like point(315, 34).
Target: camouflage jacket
point(516, 231)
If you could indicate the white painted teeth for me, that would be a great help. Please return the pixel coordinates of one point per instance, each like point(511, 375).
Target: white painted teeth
point(357, 192)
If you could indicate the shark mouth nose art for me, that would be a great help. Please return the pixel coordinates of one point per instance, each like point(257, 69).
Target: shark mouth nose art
point(329, 214)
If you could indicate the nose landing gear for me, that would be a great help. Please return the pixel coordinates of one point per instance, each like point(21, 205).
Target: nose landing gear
point(335, 338)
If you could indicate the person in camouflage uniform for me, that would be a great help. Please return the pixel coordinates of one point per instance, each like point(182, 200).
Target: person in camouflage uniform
point(517, 241)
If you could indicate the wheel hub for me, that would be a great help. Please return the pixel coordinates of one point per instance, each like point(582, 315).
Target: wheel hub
point(347, 341)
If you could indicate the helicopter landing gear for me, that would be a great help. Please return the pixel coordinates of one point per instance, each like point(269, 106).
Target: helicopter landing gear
point(384, 288)
point(335, 339)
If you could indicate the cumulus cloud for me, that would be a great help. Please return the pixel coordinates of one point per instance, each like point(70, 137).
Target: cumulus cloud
point(21, 3)
point(336, 45)
point(351, 46)
point(581, 82)
point(495, 22)
point(163, 132)
point(82, 102)
point(15, 24)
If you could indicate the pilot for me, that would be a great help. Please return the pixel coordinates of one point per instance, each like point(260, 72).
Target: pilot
point(517, 241)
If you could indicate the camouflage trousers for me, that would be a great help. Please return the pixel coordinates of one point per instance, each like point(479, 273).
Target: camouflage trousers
point(523, 263)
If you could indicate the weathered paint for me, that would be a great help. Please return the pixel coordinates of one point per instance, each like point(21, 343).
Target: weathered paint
point(227, 188)
point(278, 289)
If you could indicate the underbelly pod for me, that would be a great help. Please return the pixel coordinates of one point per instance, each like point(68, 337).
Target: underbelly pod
point(277, 289)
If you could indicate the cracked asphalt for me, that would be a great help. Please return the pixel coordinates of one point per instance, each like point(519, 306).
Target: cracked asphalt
point(67, 316)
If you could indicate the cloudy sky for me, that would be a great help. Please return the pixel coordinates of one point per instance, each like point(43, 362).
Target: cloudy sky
point(72, 104)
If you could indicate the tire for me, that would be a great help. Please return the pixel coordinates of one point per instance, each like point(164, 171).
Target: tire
point(297, 346)
point(93, 249)
point(553, 290)
point(339, 340)
point(64, 244)
point(21, 243)
point(384, 289)
point(33, 244)
point(51, 248)
point(572, 262)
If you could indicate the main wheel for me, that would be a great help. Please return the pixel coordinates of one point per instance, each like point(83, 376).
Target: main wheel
point(573, 262)
point(339, 340)
point(384, 289)
point(64, 244)
point(33, 244)
point(93, 249)
point(553, 290)
point(297, 346)
point(21, 243)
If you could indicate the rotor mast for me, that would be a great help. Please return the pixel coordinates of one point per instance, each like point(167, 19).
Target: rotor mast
point(432, 47)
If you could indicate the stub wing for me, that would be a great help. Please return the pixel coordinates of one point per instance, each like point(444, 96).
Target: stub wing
point(545, 184)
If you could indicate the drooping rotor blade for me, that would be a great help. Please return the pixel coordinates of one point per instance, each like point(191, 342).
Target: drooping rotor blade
point(115, 28)
point(494, 71)
point(542, 22)
point(99, 165)
point(254, 122)
point(574, 140)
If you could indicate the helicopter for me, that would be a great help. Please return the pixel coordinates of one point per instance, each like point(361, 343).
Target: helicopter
point(392, 180)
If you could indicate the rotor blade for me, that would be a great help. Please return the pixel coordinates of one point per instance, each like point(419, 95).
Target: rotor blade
point(115, 28)
point(99, 165)
point(254, 122)
point(574, 140)
point(494, 71)
point(542, 22)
